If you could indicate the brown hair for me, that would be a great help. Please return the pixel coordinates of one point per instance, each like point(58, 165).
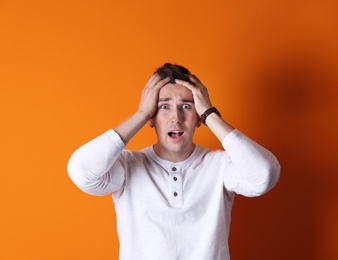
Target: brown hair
point(173, 71)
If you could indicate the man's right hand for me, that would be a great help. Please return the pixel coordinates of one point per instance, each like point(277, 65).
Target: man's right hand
point(150, 93)
point(146, 110)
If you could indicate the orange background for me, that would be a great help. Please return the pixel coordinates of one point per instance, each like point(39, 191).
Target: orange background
point(70, 70)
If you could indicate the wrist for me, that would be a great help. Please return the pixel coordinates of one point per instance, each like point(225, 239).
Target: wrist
point(144, 114)
point(208, 112)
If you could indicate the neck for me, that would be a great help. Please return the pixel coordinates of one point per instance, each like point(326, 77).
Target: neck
point(173, 156)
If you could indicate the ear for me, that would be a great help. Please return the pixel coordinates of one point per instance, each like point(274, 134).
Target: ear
point(198, 123)
point(151, 123)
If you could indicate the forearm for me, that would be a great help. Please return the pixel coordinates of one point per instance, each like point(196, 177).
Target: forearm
point(218, 126)
point(127, 129)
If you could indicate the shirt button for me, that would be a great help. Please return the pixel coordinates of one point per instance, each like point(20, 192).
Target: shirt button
point(175, 194)
point(175, 178)
point(174, 169)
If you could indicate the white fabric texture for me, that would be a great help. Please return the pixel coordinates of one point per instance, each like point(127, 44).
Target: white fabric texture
point(173, 211)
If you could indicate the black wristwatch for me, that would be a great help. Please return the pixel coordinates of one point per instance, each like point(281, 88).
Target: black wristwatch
point(207, 113)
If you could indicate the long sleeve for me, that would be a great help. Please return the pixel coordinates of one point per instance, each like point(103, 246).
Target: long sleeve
point(89, 166)
point(253, 169)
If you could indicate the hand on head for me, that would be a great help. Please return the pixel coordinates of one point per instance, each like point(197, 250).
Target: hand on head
point(150, 93)
point(167, 74)
point(200, 93)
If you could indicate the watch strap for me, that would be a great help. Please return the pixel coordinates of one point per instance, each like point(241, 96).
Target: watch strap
point(207, 113)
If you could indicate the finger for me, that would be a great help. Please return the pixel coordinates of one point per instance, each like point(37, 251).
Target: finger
point(152, 81)
point(194, 79)
point(162, 82)
point(185, 84)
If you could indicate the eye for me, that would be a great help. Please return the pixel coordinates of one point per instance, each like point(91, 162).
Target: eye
point(186, 106)
point(164, 107)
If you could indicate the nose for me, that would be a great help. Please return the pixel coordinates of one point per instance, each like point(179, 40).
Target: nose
point(176, 116)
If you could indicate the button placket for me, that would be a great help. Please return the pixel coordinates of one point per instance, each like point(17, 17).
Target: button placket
point(176, 192)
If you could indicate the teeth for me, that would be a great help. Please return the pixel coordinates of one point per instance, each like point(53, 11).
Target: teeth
point(175, 133)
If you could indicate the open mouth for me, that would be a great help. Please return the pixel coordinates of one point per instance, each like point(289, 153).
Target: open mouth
point(175, 134)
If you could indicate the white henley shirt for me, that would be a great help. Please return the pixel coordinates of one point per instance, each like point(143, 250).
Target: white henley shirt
point(173, 211)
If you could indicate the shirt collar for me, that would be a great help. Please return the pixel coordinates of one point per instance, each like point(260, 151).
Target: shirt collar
point(168, 164)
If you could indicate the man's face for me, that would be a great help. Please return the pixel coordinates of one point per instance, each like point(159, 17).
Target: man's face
point(175, 123)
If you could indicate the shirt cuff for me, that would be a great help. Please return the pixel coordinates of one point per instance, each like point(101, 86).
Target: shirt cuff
point(228, 139)
point(115, 139)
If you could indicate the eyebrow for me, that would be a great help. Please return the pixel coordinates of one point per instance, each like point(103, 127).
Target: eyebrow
point(181, 99)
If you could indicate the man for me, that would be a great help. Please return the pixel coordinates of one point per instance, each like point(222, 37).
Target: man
point(173, 199)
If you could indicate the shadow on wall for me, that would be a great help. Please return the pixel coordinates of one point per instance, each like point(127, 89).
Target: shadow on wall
point(295, 102)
